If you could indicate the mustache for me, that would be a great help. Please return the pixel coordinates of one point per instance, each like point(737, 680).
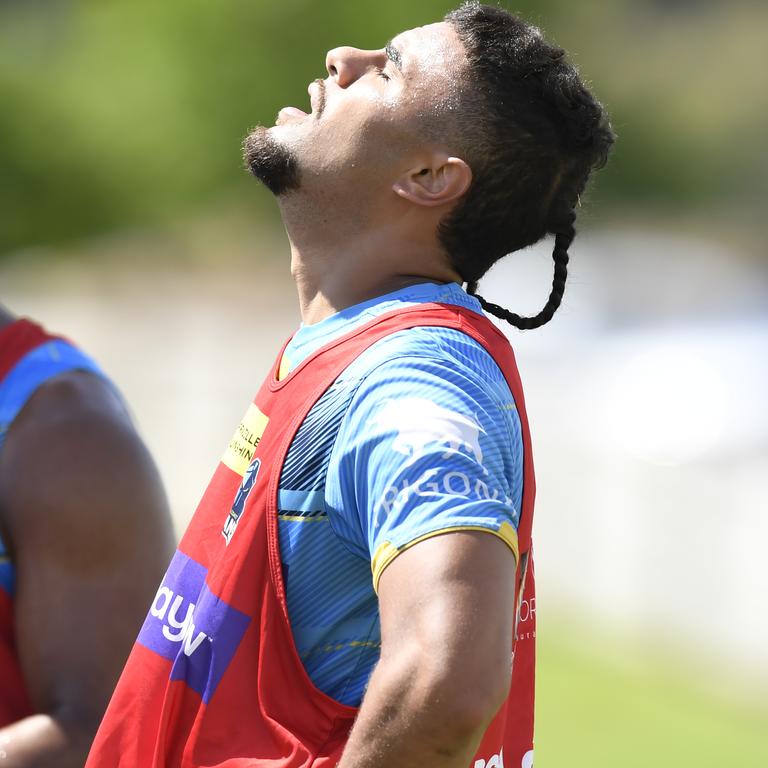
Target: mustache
point(320, 106)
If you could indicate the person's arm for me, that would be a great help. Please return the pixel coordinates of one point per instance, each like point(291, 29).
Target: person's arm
point(86, 515)
point(446, 607)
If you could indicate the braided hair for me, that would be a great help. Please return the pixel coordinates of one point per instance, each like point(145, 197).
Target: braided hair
point(532, 134)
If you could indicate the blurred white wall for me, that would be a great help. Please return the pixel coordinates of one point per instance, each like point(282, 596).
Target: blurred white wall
point(649, 408)
point(646, 396)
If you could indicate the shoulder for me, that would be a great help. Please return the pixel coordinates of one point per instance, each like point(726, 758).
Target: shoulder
point(34, 367)
point(70, 419)
point(419, 390)
point(431, 441)
point(426, 348)
point(433, 363)
point(71, 455)
point(65, 429)
point(67, 404)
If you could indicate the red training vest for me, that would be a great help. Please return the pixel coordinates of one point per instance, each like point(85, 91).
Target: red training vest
point(214, 678)
point(16, 340)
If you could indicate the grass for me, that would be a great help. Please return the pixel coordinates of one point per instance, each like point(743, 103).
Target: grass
point(592, 711)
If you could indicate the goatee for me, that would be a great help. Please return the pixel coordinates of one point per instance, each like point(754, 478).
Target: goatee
point(270, 162)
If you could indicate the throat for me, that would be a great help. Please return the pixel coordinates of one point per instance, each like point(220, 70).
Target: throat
point(336, 292)
point(336, 266)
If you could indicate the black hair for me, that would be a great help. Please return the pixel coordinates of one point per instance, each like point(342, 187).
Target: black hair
point(532, 134)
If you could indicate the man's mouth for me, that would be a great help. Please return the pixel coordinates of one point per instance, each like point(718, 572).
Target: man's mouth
point(316, 92)
point(288, 113)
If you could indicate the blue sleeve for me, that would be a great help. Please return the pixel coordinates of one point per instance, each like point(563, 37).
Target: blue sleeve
point(426, 446)
point(34, 369)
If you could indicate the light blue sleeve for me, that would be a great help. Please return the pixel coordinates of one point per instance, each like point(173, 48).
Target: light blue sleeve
point(426, 446)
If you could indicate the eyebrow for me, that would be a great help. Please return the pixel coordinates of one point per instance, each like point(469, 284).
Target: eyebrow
point(394, 55)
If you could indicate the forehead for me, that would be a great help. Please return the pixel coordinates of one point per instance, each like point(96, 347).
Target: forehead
point(431, 52)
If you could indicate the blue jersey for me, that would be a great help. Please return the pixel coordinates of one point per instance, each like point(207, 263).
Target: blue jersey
point(419, 436)
point(42, 363)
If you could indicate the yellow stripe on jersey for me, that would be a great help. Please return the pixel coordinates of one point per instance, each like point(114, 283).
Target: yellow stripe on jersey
point(387, 551)
point(303, 518)
point(243, 443)
point(333, 647)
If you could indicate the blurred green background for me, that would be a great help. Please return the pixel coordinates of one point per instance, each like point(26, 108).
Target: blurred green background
point(126, 220)
point(118, 114)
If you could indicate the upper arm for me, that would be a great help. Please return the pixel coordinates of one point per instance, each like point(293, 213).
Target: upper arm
point(430, 459)
point(87, 519)
point(447, 610)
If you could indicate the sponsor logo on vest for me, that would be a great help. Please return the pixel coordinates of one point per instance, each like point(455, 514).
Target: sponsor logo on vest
point(497, 761)
point(246, 439)
point(170, 624)
point(169, 609)
point(526, 607)
point(192, 627)
point(233, 518)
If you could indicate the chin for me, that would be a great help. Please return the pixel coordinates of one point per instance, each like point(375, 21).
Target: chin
point(271, 160)
point(290, 132)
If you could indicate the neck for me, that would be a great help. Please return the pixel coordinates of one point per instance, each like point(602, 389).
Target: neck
point(339, 264)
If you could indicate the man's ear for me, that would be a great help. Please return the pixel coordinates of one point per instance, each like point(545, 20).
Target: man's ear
point(442, 181)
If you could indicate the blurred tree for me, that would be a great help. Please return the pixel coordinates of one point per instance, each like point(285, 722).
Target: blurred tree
point(123, 114)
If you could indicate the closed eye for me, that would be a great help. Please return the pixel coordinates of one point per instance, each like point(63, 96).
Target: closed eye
point(383, 74)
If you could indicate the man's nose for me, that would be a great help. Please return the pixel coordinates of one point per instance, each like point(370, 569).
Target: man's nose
point(346, 64)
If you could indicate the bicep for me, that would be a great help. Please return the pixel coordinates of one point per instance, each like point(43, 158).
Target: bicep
point(449, 601)
point(88, 520)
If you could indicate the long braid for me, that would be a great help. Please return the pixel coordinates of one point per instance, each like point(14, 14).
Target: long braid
point(563, 240)
point(532, 135)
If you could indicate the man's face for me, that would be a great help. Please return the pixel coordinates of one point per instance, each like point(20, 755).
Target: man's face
point(367, 117)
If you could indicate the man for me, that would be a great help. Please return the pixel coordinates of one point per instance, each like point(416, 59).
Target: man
point(84, 534)
point(358, 573)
